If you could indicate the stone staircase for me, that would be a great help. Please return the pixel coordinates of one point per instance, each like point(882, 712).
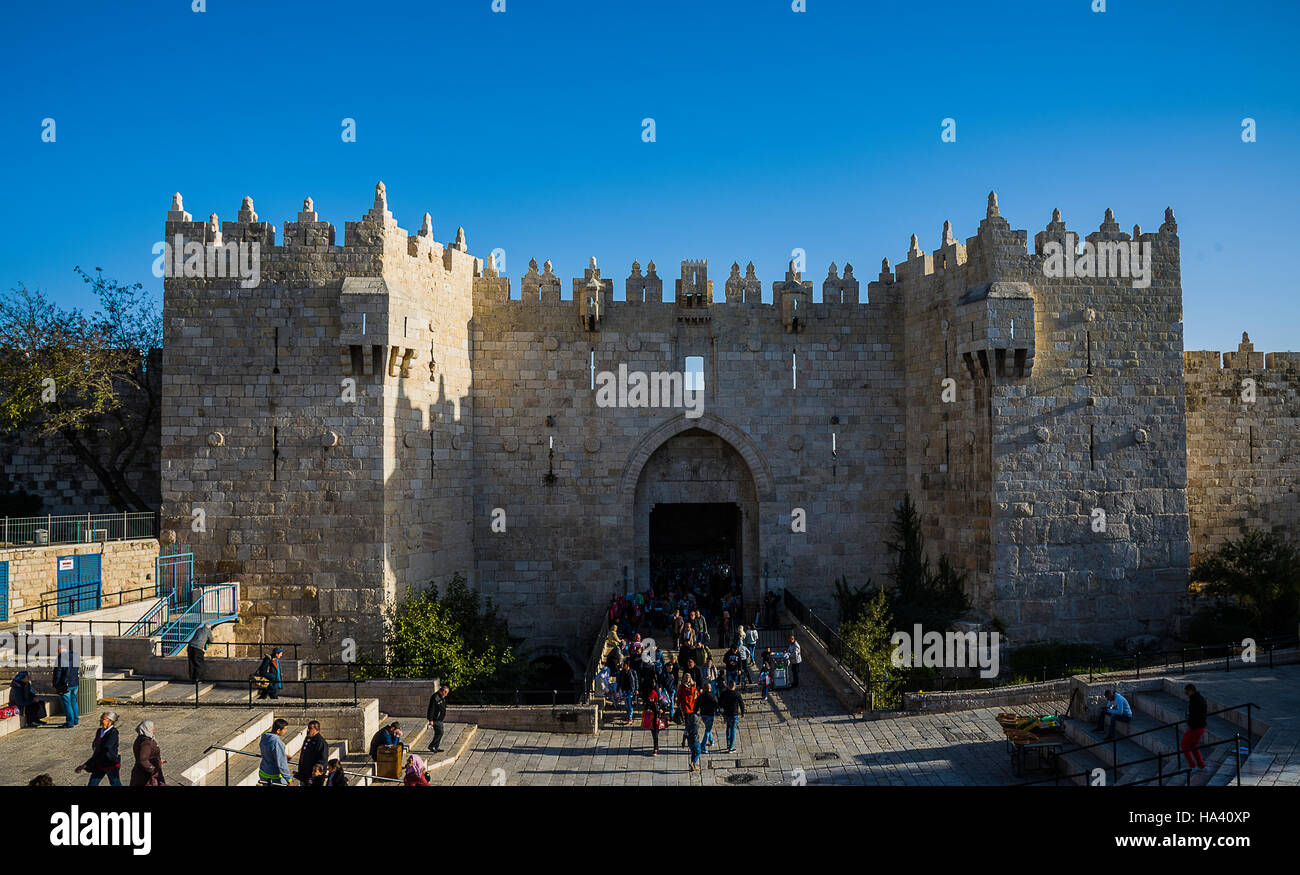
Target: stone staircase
point(1141, 739)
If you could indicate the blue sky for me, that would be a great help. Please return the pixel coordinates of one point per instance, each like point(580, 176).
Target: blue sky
point(775, 130)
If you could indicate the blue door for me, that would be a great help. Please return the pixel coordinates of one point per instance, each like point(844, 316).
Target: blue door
point(4, 591)
point(79, 583)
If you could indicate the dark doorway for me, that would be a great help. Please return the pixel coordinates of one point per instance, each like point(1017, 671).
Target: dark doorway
point(696, 546)
point(551, 673)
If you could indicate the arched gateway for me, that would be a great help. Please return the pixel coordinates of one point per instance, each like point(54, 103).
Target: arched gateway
point(696, 487)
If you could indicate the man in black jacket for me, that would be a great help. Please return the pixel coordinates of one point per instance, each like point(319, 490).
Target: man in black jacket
point(437, 714)
point(1196, 718)
point(315, 750)
point(732, 706)
point(67, 677)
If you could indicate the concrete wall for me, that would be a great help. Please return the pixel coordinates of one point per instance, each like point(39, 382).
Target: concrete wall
point(33, 571)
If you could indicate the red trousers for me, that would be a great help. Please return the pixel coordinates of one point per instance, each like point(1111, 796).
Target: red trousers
point(1192, 738)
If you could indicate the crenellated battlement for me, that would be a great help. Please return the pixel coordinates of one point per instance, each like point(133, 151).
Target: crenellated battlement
point(309, 247)
point(1244, 358)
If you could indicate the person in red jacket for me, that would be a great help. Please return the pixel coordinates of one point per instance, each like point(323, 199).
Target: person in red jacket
point(686, 696)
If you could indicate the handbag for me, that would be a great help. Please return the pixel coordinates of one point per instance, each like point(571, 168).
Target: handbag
point(260, 682)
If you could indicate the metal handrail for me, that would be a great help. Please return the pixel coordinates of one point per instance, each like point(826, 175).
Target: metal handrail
point(175, 625)
point(356, 700)
point(1250, 726)
point(141, 626)
point(61, 595)
point(1159, 758)
point(856, 667)
point(230, 750)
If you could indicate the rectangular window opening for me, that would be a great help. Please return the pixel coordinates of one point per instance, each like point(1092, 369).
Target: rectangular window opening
point(694, 378)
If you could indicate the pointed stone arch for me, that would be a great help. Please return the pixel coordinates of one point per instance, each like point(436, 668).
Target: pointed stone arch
point(709, 422)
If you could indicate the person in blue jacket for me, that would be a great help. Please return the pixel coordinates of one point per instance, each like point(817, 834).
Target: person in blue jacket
point(270, 669)
point(67, 677)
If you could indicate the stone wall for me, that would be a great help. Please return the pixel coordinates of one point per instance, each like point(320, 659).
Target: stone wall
point(473, 405)
point(33, 571)
point(1242, 454)
point(318, 421)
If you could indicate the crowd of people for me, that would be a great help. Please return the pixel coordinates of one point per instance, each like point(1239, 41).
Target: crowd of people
point(684, 686)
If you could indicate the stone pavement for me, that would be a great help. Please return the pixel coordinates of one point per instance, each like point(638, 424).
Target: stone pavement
point(797, 736)
point(182, 735)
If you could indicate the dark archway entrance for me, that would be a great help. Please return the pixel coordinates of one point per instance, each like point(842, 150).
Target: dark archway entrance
point(695, 542)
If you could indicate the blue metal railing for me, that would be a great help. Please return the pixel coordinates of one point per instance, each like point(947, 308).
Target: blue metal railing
point(215, 605)
point(154, 619)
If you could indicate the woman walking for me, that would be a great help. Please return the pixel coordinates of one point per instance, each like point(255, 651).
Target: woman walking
point(653, 711)
point(104, 759)
point(147, 771)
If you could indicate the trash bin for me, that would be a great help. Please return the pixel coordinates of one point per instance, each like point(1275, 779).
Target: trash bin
point(92, 669)
point(388, 761)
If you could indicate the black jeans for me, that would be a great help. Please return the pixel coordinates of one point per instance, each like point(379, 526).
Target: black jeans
point(437, 736)
point(196, 663)
point(794, 674)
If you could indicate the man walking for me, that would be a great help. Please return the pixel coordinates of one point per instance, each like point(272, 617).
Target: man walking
point(793, 657)
point(627, 686)
point(197, 649)
point(732, 706)
point(1196, 717)
point(273, 770)
point(686, 700)
point(436, 715)
point(67, 676)
point(315, 752)
point(706, 705)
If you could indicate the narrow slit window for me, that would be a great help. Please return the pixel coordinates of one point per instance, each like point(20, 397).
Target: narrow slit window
point(794, 370)
point(593, 370)
point(694, 379)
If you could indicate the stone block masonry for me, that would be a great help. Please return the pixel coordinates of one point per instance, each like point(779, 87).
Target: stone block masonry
point(352, 425)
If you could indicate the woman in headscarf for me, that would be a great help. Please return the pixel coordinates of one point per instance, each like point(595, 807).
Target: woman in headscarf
point(414, 776)
point(104, 760)
point(23, 697)
point(147, 771)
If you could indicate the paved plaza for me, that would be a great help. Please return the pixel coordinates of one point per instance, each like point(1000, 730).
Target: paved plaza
point(797, 736)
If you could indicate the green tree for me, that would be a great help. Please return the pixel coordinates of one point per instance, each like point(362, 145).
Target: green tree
point(868, 638)
point(86, 379)
point(1260, 571)
point(922, 594)
point(450, 638)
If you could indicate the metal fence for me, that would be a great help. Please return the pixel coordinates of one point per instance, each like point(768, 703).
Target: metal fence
point(39, 531)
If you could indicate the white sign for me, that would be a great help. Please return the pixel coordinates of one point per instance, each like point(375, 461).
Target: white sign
point(66, 564)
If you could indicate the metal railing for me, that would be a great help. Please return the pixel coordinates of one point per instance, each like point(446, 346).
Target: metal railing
point(1158, 759)
point(53, 598)
point(906, 682)
point(229, 750)
point(216, 604)
point(273, 694)
point(154, 619)
point(40, 531)
point(1114, 741)
point(352, 672)
point(593, 661)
